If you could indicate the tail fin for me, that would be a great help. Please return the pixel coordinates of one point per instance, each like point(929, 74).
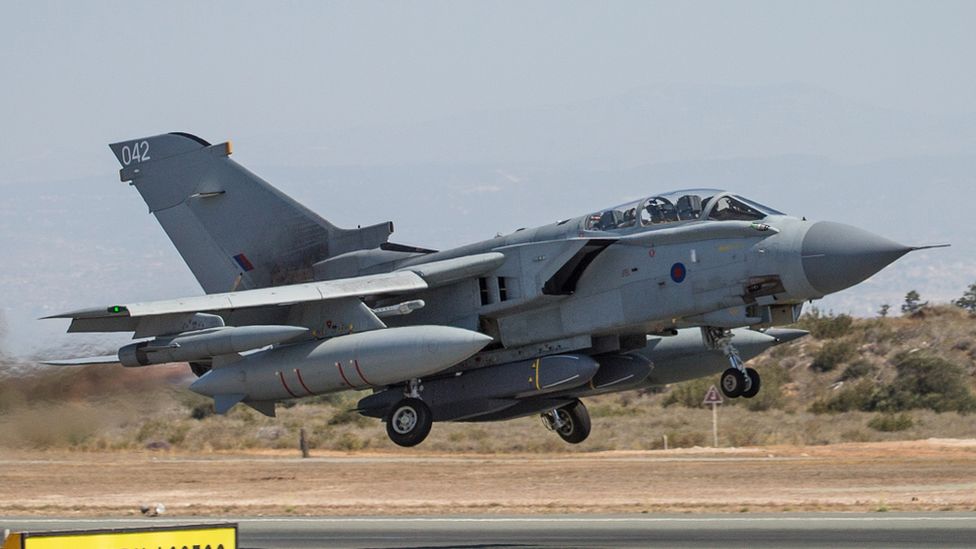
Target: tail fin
point(233, 229)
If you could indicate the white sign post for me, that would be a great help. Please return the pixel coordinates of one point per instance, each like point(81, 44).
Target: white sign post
point(714, 398)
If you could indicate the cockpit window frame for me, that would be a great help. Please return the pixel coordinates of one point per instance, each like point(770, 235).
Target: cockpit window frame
point(670, 211)
point(748, 204)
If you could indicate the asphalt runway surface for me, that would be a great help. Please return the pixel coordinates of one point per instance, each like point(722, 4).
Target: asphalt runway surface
point(567, 531)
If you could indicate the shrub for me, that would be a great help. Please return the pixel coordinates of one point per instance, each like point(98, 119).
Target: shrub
point(350, 442)
point(202, 410)
point(857, 370)
point(856, 396)
point(855, 435)
point(825, 326)
point(688, 393)
point(913, 303)
point(687, 439)
point(770, 394)
point(742, 435)
point(832, 354)
point(927, 381)
point(344, 417)
point(968, 300)
point(923, 381)
point(889, 423)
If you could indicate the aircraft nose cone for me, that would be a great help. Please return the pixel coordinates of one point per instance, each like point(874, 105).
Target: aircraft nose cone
point(837, 256)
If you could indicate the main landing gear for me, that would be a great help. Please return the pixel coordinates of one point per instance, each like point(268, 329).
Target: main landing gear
point(571, 422)
point(410, 419)
point(738, 380)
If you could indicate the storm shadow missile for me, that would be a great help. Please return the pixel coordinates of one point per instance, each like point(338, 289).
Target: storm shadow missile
point(207, 343)
point(685, 356)
point(617, 373)
point(356, 361)
point(476, 392)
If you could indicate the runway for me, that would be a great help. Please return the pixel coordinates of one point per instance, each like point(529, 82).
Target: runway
point(739, 530)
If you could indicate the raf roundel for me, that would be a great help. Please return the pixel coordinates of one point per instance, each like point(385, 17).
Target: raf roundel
point(678, 272)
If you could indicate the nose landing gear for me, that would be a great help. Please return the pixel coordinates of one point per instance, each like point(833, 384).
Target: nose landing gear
point(738, 380)
point(733, 383)
point(753, 389)
point(736, 383)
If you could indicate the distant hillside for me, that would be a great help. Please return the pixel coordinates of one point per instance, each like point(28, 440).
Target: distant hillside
point(851, 380)
point(923, 361)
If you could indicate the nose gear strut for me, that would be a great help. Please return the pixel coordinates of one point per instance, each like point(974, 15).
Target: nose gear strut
point(737, 380)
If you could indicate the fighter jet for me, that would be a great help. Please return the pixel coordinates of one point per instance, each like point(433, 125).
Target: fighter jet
point(667, 288)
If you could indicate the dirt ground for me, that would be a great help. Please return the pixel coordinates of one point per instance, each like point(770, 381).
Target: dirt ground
point(934, 474)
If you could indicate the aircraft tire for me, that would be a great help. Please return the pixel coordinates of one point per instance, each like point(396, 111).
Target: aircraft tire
point(733, 383)
point(576, 420)
point(409, 422)
point(753, 389)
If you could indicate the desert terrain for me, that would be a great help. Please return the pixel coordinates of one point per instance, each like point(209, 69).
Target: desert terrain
point(925, 475)
point(866, 415)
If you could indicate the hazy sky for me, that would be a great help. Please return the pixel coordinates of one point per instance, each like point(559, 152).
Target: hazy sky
point(793, 103)
point(77, 75)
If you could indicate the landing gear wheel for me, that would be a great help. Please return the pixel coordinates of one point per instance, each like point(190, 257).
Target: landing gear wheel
point(409, 422)
point(573, 422)
point(753, 389)
point(733, 383)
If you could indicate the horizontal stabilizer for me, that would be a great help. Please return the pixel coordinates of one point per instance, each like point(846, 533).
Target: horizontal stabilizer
point(107, 359)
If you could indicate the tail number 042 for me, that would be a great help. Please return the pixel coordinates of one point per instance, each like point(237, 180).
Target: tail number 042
point(135, 152)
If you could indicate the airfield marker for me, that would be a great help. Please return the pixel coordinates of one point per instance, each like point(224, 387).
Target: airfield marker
point(713, 397)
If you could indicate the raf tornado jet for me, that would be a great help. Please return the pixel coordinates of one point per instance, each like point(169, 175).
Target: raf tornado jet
point(663, 289)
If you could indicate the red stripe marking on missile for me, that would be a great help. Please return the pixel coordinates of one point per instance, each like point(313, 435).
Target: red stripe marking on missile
point(285, 385)
point(360, 372)
point(302, 381)
point(343, 374)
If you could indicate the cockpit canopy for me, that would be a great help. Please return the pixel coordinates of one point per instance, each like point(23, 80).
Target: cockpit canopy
point(678, 206)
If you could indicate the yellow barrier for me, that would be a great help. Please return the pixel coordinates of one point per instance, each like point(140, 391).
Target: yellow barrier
point(207, 536)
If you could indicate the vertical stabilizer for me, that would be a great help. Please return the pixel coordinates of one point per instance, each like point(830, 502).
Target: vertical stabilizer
point(234, 230)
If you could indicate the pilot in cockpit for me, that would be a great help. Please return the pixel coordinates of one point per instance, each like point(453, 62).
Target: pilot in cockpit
point(661, 210)
point(689, 207)
point(630, 218)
